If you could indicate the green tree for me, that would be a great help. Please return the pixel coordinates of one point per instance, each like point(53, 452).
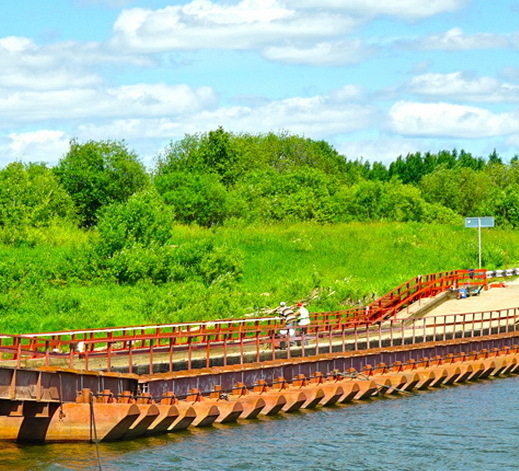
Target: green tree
point(503, 203)
point(144, 220)
point(31, 195)
point(195, 198)
point(207, 153)
point(302, 195)
point(98, 173)
point(463, 190)
point(494, 159)
point(232, 156)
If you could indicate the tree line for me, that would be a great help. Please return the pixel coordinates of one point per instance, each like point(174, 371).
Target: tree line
point(218, 177)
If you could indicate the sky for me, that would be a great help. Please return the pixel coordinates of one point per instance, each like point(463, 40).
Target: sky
point(374, 78)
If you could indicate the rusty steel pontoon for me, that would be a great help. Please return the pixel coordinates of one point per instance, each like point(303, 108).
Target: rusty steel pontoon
point(126, 382)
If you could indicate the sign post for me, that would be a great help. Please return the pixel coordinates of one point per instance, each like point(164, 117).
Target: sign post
point(479, 222)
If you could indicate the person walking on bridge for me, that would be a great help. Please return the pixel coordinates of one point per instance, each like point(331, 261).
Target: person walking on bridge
point(303, 320)
point(289, 318)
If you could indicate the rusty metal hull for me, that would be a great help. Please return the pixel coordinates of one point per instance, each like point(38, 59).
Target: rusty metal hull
point(32, 412)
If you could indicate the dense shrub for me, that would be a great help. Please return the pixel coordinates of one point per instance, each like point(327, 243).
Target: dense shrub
point(143, 221)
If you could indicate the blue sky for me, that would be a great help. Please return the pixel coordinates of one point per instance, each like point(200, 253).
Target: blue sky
point(376, 79)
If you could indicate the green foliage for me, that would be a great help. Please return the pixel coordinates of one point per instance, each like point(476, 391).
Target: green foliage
point(195, 198)
point(212, 152)
point(265, 218)
point(133, 243)
point(140, 264)
point(390, 201)
point(98, 173)
point(143, 220)
point(232, 157)
point(302, 195)
point(462, 190)
point(31, 196)
point(414, 167)
point(503, 203)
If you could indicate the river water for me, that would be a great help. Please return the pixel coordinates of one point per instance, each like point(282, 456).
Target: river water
point(473, 426)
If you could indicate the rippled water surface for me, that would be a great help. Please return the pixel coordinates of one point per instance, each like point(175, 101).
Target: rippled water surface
point(467, 427)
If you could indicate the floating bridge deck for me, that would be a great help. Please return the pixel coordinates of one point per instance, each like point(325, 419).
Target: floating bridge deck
point(418, 322)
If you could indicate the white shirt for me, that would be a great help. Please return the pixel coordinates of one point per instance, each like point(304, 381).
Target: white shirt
point(304, 316)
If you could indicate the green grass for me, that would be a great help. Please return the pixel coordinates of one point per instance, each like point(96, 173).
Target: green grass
point(339, 265)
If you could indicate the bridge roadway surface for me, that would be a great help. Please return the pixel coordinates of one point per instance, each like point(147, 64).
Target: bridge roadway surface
point(488, 300)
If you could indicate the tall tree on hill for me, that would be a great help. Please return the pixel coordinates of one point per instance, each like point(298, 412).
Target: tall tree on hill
point(233, 156)
point(207, 153)
point(98, 173)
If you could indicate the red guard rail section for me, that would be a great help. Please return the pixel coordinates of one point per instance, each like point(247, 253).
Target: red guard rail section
point(193, 345)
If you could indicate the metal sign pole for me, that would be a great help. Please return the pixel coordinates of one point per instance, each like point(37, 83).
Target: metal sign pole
point(479, 222)
point(479, 240)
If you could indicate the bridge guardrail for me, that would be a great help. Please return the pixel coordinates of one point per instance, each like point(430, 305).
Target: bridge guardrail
point(228, 338)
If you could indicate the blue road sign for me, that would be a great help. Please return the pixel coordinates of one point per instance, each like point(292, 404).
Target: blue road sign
point(479, 222)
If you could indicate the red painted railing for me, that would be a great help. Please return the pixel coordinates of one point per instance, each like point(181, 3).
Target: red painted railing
point(189, 345)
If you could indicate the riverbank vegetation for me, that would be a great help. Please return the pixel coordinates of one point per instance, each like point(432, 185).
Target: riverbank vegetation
point(227, 225)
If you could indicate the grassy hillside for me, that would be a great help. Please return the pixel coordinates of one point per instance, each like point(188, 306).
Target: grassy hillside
point(337, 266)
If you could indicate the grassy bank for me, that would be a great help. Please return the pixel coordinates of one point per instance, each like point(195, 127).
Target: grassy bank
point(336, 265)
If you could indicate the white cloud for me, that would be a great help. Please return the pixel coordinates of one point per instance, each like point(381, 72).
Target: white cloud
point(294, 31)
point(316, 117)
point(141, 100)
point(201, 24)
point(35, 146)
point(513, 142)
point(26, 65)
point(329, 53)
point(382, 149)
point(406, 9)
point(463, 87)
point(456, 40)
point(448, 120)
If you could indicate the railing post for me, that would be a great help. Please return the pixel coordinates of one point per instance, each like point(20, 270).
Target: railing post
point(207, 350)
point(189, 352)
point(343, 337)
point(258, 344)
point(109, 356)
point(241, 344)
point(130, 357)
point(18, 352)
point(150, 368)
